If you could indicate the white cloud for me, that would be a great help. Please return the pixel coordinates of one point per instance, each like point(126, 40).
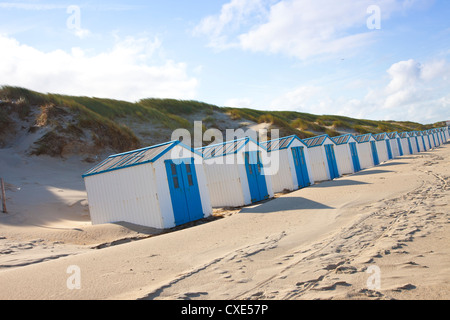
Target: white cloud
point(129, 71)
point(297, 28)
point(233, 15)
point(414, 92)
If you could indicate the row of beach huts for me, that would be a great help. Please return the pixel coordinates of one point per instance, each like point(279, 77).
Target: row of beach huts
point(171, 184)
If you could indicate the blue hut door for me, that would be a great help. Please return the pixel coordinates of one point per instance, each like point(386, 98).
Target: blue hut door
point(355, 157)
point(256, 180)
point(400, 148)
point(331, 159)
point(389, 150)
point(184, 190)
point(301, 170)
point(424, 146)
point(376, 160)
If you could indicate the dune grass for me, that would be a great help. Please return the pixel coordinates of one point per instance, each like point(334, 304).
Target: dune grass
point(103, 117)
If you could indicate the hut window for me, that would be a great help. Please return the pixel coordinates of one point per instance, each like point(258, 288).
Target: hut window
point(191, 182)
point(175, 183)
point(189, 174)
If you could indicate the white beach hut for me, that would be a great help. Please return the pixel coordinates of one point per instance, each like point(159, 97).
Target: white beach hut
point(384, 147)
point(436, 139)
point(162, 186)
point(427, 138)
point(237, 173)
point(414, 142)
point(293, 169)
point(347, 154)
point(422, 143)
point(447, 133)
point(396, 144)
point(444, 137)
point(322, 158)
point(406, 143)
point(368, 153)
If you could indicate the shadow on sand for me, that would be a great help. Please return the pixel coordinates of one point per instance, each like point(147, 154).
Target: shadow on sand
point(285, 204)
point(338, 183)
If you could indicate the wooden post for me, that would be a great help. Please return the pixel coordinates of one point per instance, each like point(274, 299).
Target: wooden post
point(3, 196)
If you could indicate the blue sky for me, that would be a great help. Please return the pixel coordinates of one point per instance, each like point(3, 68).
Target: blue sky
point(373, 59)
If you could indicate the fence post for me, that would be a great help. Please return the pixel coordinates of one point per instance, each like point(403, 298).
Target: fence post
point(3, 195)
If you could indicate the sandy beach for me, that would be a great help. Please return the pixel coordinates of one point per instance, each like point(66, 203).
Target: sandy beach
point(382, 233)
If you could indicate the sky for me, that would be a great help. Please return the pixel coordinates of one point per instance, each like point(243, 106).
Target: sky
point(371, 59)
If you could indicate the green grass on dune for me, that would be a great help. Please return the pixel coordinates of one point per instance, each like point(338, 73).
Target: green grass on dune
point(103, 116)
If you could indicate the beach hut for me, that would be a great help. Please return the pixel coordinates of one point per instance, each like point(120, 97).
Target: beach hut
point(430, 138)
point(444, 137)
point(435, 137)
point(293, 169)
point(322, 158)
point(162, 186)
point(384, 147)
point(427, 140)
point(396, 144)
point(415, 141)
point(446, 132)
point(368, 150)
point(406, 143)
point(347, 154)
point(422, 141)
point(237, 172)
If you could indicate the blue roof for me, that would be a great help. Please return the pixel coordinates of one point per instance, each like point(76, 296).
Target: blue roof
point(316, 141)
point(133, 158)
point(279, 144)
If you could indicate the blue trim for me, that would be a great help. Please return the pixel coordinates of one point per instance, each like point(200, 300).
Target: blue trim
point(348, 135)
point(231, 143)
point(365, 135)
point(292, 137)
point(143, 149)
point(221, 144)
point(175, 143)
point(316, 137)
point(225, 153)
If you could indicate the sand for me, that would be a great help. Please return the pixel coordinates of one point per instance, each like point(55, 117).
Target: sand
point(383, 233)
